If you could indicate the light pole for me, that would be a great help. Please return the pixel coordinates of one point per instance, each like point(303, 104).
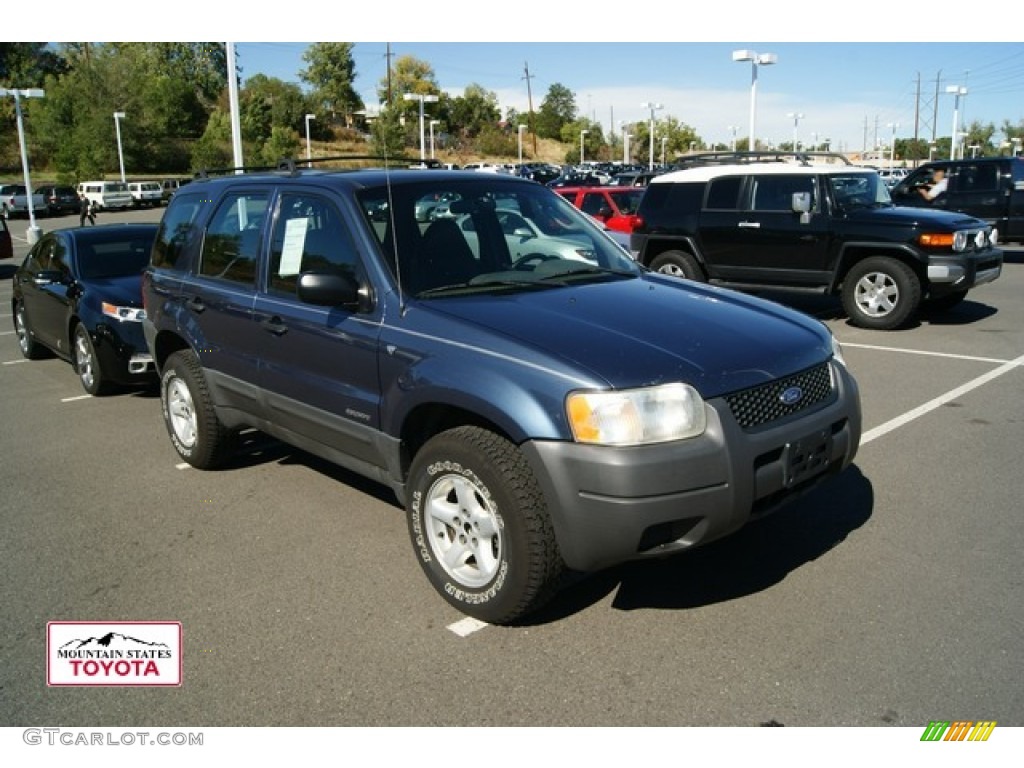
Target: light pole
point(755, 58)
point(32, 235)
point(432, 124)
point(118, 117)
point(958, 91)
point(625, 142)
point(309, 147)
point(521, 128)
point(732, 144)
point(582, 134)
point(421, 97)
point(892, 143)
point(651, 106)
point(664, 140)
point(1016, 141)
point(797, 117)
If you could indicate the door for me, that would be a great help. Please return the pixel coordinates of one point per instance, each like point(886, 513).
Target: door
point(318, 364)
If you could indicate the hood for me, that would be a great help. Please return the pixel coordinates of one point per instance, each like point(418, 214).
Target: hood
point(652, 330)
point(122, 291)
point(923, 218)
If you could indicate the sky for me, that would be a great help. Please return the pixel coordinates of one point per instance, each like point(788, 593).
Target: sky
point(858, 73)
point(856, 94)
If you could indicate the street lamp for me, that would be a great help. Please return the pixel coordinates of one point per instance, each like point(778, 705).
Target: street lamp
point(797, 117)
point(732, 144)
point(892, 143)
point(32, 235)
point(309, 148)
point(664, 140)
point(651, 106)
point(118, 117)
point(432, 124)
point(522, 127)
point(625, 142)
point(421, 97)
point(582, 134)
point(958, 91)
point(755, 58)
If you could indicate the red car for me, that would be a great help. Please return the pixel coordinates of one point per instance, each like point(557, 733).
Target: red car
point(615, 206)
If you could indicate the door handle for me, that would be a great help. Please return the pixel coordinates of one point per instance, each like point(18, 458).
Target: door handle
point(275, 325)
point(197, 305)
point(750, 224)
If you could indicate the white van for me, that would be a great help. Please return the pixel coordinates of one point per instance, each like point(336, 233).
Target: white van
point(106, 194)
point(146, 193)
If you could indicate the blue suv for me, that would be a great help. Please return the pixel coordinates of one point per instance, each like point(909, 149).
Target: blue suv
point(536, 409)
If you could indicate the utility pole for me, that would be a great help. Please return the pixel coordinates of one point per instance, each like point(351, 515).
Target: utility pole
point(387, 58)
point(529, 96)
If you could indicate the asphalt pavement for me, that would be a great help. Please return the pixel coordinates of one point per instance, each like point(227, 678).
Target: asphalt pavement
point(890, 597)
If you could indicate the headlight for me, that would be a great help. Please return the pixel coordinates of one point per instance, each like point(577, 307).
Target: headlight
point(124, 314)
point(636, 416)
point(837, 352)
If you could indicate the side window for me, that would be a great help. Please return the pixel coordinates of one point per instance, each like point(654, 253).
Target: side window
point(231, 246)
point(59, 256)
point(308, 237)
point(775, 193)
point(593, 203)
point(176, 229)
point(976, 178)
point(39, 256)
point(724, 193)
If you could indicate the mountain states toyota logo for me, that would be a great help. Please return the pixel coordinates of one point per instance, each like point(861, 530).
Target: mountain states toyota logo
point(116, 653)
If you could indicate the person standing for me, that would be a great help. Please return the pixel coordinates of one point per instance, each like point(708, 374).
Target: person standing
point(85, 211)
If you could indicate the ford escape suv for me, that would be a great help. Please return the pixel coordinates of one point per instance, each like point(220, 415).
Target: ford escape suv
point(534, 412)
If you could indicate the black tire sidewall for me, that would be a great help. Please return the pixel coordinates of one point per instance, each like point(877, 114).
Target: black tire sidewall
point(97, 373)
point(907, 283)
point(687, 264)
point(497, 600)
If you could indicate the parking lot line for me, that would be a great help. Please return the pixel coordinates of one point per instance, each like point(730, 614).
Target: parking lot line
point(926, 353)
point(72, 399)
point(941, 400)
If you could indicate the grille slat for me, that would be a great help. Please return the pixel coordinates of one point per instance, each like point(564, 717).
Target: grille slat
point(763, 404)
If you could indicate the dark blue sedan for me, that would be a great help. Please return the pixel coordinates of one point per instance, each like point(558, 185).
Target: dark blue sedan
point(78, 295)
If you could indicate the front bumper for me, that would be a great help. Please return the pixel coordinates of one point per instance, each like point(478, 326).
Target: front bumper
point(609, 505)
point(961, 272)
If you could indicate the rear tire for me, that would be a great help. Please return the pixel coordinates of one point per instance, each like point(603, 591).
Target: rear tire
point(679, 264)
point(196, 432)
point(881, 293)
point(480, 527)
point(30, 348)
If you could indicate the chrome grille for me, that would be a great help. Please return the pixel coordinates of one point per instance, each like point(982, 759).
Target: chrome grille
point(766, 403)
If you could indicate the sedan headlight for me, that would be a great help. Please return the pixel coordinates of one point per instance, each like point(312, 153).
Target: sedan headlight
point(124, 314)
point(636, 416)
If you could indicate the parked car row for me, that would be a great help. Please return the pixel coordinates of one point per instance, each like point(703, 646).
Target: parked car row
point(61, 199)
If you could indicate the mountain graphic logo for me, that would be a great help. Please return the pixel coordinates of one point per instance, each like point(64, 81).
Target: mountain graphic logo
point(110, 641)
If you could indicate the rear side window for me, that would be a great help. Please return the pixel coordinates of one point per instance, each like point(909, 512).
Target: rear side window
point(980, 177)
point(232, 242)
point(775, 193)
point(308, 237)
point(176, 231)
point(724, 193)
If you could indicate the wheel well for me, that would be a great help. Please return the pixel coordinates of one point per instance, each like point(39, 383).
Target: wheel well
point(856, 254)
point(431, 419)
point(657, 247)
point(166, 345)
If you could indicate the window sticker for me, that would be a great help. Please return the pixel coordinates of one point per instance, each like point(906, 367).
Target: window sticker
point(291, 251)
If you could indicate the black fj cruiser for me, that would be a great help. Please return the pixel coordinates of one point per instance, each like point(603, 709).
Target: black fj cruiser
point(818, 226)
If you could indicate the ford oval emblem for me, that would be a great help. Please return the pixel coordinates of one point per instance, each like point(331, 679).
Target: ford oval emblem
point(791, 396)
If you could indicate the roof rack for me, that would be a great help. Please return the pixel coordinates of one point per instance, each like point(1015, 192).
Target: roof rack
point(293, 166)
point(741, 158)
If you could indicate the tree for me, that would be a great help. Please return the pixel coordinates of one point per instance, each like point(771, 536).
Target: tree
point(266, 103)
point(331, 74)
point(387, 135)
point(679, 136)
point(473, 112)
point(409, 75)
point(26, 65)
point(557, 109)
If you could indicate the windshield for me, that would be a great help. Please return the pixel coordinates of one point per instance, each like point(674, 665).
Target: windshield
point(463, 233)
point(118, 257)
point(859, 190)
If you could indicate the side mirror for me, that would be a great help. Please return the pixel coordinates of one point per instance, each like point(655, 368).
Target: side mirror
point(48, 277)
point(523, 232)
point(801, 202)
point(332, 289)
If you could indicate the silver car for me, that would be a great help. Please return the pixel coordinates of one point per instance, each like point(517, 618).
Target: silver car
point(525, 239)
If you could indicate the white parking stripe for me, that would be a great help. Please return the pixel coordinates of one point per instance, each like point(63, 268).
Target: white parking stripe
point(72, 399)
point(467, 626)
point(939, 401)
point(14, 362)
point(926, 353)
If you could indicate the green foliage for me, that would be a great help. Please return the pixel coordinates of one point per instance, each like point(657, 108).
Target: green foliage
point(331, 74)
point(283, 143)
point(475, 112)
point(494, 142)
point(387, 134)
point(557, 110)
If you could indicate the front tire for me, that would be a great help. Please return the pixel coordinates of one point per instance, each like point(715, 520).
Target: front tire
point(87, 364)
point(480, 527)
point(881, 293)
point(679, 264)
point(196, 432)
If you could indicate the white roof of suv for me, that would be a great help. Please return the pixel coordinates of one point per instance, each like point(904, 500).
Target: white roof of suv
point(708, 172)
